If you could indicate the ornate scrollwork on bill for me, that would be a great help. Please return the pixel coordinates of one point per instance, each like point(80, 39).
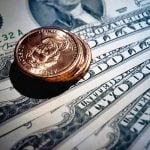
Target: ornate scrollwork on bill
point(122, 131)
point(9, 109)
point(85, 109)
point(5, 64)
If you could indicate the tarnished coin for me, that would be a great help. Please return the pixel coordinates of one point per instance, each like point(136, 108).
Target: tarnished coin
point(47, 52)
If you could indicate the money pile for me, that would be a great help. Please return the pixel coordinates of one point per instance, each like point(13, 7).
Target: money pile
point(53, 54)
point(108, 108)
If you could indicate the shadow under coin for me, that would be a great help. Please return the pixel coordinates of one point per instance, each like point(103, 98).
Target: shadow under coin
point(35, 88)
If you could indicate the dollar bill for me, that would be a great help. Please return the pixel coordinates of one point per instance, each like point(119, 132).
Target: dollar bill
point(75, 13)
point(56, 102)
point(69, 118)
point(114, 29)
point(101, 63)
point(112, 58)
point(122, 130)
point(12, 31)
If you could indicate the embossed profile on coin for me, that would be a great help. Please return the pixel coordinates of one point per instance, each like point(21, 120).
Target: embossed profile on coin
point(48, 53)
point(68, 14)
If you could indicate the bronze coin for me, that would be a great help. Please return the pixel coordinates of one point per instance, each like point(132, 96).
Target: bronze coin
point(69, 76)
point(83, 66)
point(47, 52)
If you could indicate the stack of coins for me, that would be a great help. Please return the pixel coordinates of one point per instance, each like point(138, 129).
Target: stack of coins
point(53, 54)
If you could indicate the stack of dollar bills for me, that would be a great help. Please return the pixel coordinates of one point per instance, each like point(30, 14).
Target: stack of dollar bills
point(109, 108)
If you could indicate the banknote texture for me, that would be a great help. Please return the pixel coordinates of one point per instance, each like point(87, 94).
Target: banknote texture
point(120, 27)
point(118, 33)
point(123, 129)
point(99, 64)
point(87, 107)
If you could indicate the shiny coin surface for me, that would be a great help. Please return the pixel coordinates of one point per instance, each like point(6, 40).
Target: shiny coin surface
point(82, 65)
point(47, 52)
point(69, 76)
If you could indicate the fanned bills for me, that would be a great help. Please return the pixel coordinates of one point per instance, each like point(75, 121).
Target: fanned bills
point(68, 119)
point(108, 108)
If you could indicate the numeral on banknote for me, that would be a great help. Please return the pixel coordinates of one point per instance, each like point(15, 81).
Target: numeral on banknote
point(10, 35)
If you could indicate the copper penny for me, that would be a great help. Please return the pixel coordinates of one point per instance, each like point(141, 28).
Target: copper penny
point(47, 52)
point(67, 76)
point(83, 66)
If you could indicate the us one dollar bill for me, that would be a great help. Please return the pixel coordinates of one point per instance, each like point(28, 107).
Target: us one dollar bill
point(48, 131)
point(101, 63)
point(17, 106)
point(11, 31)
point(113, 58)
point(125, 130)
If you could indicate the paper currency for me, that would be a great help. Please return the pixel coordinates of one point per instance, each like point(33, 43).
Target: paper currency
point(79, 112)
point(17, 20)
point(120, 41)
point(100, 64)
point(108, 60)
point(75, 13)
point(122, 131)
point(122, 26)
point(11, 30)
point(55, 103)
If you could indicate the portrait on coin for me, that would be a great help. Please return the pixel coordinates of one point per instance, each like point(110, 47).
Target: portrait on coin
point(67, 14)
point(48, 53)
